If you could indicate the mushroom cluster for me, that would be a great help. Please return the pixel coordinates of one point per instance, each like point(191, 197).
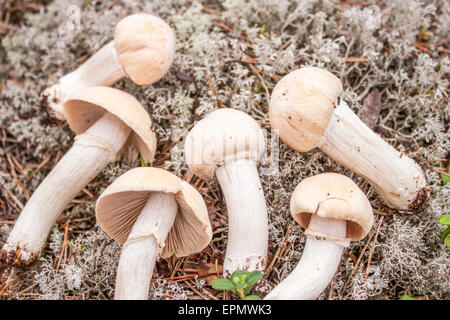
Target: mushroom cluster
point(154, 214)
point(106, 122)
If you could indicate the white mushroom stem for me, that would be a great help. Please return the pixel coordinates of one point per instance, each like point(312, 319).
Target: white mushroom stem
point(397, 178)
point(101, 69)
point(317, 266)
point(247, 216)
point(143, 246)
point(91, 152)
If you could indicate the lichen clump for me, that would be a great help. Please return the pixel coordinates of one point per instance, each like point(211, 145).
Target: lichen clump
point(231, 54)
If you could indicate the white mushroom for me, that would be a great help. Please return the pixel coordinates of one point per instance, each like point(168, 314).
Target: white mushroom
point(333, 211)
point(228, 144)
point(306, 110)
point(152, 213)
point(142, 50)
point(106, 121)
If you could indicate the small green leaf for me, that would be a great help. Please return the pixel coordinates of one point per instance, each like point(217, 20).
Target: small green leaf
point(143, 163)
point(252, 278)
point(238, 277)
point(447, 242)
point(223, 284)
point(445, 234)
point(248, 287)
point(251, 297)
point(445, 219)
point(406, 297)
point(423, 34)
point(445, 178)
point(257, 87)
point(239, 283)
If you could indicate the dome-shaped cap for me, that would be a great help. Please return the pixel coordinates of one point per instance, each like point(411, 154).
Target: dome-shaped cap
point(301, 106)
point(145, 47)
point(332, 195)
point(86, 105)
point(121, 203)
point(223, 135)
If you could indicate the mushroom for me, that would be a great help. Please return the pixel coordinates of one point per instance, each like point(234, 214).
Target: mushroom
point(106, 122)
point(306, 110)
point(333, 211)
point(228, 144)
point(142, 50)
point(152, 213)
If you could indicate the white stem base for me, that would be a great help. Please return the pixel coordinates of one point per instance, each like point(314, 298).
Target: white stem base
point(78, 166)
point(248, 230)
point(317, 266)
point(142, 247)
point(101, 69)
point(397, 178)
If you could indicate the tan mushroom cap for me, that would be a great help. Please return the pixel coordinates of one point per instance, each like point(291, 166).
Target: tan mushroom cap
point(120, 204)
point(85, 106)
point(333, 195)
point(145, 47)
point(301, 106)
point(223, 135)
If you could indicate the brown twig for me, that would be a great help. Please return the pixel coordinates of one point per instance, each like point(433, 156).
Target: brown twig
point(356, 59)
point(278, 252)
point(39, 167)
point(212, 11)
point(89, 194)
point(13, 197)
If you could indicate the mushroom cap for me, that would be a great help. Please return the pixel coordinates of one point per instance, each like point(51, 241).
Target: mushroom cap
point(333, 195)
point(223, 135)
point(301, 106)
point(121, 203)
point(145, 47)
point(86, 105)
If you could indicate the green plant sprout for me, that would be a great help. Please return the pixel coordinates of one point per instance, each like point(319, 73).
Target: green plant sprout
point(406, 297)
point(241, 282)
point(445, 236)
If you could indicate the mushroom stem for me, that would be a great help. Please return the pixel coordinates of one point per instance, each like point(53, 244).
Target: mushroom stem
point(397, 178)
point(144, 243)
point(247, 216)
point(318, 264)
point(91, 152)
point(101, 69)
